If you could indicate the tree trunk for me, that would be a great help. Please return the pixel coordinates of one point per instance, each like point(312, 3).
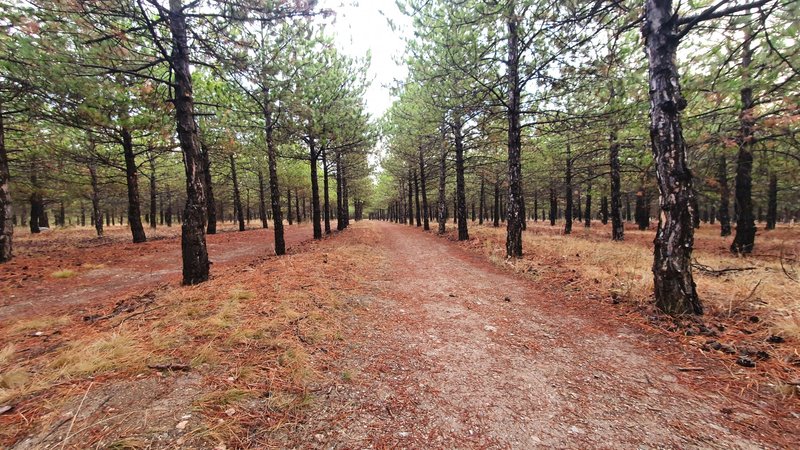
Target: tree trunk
point(262, 205)
point(416, 199)
point(340, 222)
point(724, 194)
point(193, 233)
point(327, 204)
point(132, 183)
point(425, 208)
point(617, 227)
point(745, 236)
point(604, 210)
point(296, 207)
point(410, 199)
point(153, 205)
point(37, 203)
point(97, 216)
point(772, 202)
point(316, 214)
point(6, 212)
point(675, 290)
point(496, 209)
point(515, 209)
point(274, 188)
point(289, 205)
point(441, 217)
point(211, 204)
point(642, 213)
point(461, 195)
point(553, 206)
point(587, 214)
point(568, 185)
point(482, 202)
point(237, 197)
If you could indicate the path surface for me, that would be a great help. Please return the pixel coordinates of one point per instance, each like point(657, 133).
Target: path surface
point(452, 352)
point(119, 270)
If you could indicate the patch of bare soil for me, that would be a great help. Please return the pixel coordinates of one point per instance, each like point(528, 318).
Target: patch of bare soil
point(452, 352)
point(99, 269)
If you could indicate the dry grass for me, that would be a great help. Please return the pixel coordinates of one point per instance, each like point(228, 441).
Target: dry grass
point(44, 324)
point(64, 273)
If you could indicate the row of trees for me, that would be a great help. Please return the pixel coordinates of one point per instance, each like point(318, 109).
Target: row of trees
point(593, 93)
point(249, 97)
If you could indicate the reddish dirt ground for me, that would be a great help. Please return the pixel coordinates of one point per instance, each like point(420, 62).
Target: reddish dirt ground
point(452, 352)
point(440, 348)
point(112, 267)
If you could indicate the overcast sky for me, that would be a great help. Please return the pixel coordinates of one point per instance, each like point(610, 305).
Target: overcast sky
point(361, 26)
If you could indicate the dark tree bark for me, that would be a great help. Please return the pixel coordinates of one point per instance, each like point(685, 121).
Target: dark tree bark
point(274, 188)
point(296, 207)
point(587, 214)
point(482, 207)
point(772, 202)
point(553, 206)
point(642, 213)
point(461, 195)
point(425, 208)
point(97, 216)
point(536, 206)
point(604, 210)
point(262, 204)
point(442, 210)
point(37, 203)
point(496, 209)
point(237, 197)
point(289, 205)
point(515, 209)
point(316, 214)
point(568, 186)
point(153, 194)
point(6, 212)
point(132, 183)
point(410, 198)
point(326, 204)
point(724, 194)
point(617, 227)
point(193, 233)
point(340, 222)
point(416, 199)
point(675, 290)
point(745, 236)
point(211, 204)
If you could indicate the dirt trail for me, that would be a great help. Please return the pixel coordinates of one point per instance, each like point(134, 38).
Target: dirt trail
point(452, 352)
point(110, 272)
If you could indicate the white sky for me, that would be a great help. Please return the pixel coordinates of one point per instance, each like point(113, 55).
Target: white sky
point(362, 26)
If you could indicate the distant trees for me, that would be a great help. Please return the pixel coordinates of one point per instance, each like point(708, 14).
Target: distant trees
point(562, 87)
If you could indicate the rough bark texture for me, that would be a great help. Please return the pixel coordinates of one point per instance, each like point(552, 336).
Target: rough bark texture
point(553, 206)
point(97, 216)
point(132, 184)
point(515, 213)
point(461, 195)
point(6, 213)
point(153, 194)
point(442, 214)
point(425, 208)
point(274, 188)
point(416, 199)
point(296, 206)
point(617, 227)
point(316, 214)
point(724, 197)
point(289, 205)
point(37, 203)
point(340, 222)
point(482, 202)
point(675, 290)
point(496, 208)
point(193, 233)
point(326, 206)
point(604, 210)
point(237, 196)
point(568, 208)
point(745, 224)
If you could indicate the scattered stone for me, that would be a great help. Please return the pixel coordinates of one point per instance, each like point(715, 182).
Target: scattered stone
point(575, 430)
point(319, 437)
point(507, 299)
point(452, 295)
point(230, 411)
point(490, 328)
point(774, 339)
point(404, 434)
point(744, 361)
point(5, 408)
point(181, 425)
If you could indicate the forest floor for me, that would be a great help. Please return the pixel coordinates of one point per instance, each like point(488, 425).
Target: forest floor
point(384, 336)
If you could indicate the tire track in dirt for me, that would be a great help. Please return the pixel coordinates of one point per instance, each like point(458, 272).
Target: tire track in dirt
point(452, 352)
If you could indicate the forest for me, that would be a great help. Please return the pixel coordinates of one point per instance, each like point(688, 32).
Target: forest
point(573, 224)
